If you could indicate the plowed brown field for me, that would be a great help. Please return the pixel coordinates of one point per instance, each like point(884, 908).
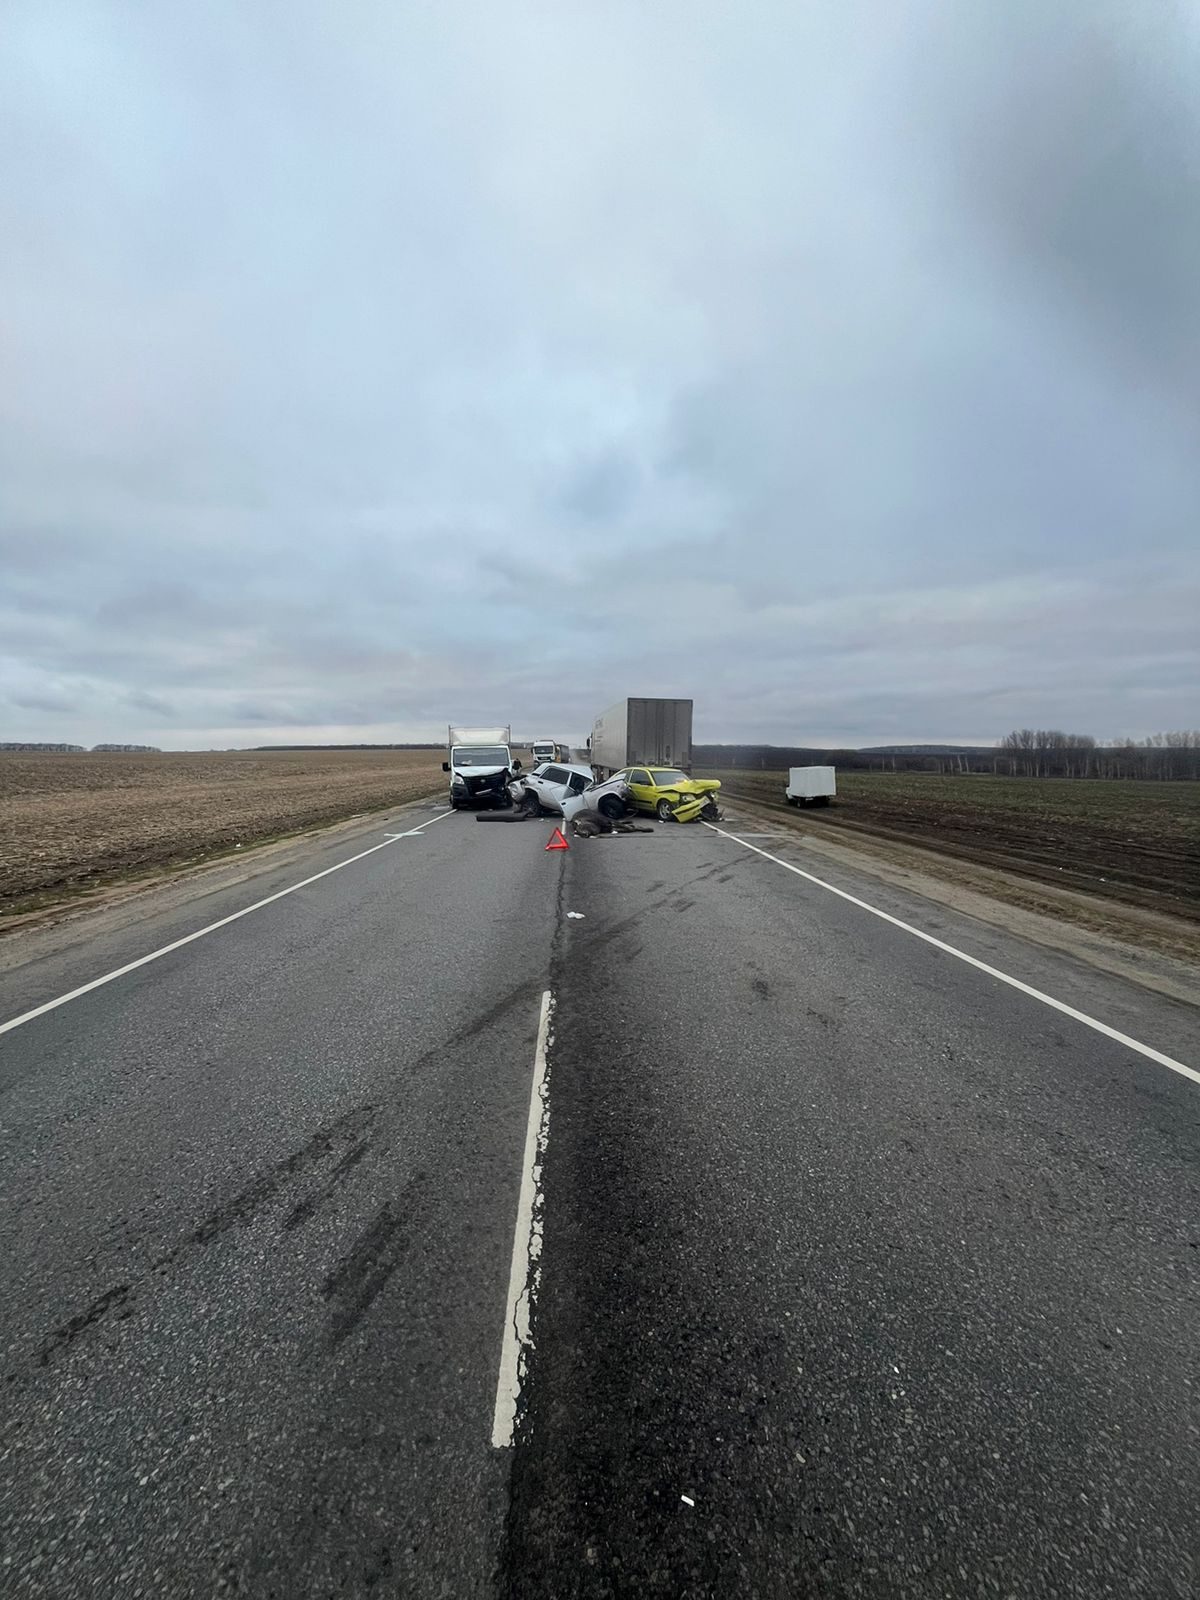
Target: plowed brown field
point(1121, 840)
point(72, 822)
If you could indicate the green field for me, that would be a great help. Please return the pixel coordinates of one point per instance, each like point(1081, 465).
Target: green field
point(1138, 842)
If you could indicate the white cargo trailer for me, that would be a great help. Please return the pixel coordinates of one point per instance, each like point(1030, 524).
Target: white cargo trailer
point(642, 732)
point(810, 786)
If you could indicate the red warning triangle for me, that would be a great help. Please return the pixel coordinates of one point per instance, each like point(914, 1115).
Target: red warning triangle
point(557, 842)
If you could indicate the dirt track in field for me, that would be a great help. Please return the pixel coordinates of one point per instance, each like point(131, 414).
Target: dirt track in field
point(70, 823)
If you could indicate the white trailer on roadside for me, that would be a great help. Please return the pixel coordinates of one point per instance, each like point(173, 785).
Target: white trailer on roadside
point(810, 786)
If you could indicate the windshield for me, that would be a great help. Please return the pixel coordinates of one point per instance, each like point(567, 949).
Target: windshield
point(667, 778)
point(490, 755)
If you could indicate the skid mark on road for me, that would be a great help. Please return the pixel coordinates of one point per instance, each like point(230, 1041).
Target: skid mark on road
point(522, 994)
point(304, 1210)
point(117, 1295)
point(354, 1284)
point(604, 932)
point(350, 1129)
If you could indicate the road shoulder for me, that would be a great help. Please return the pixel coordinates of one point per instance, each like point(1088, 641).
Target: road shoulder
point(115, 909)
point(1156, 952)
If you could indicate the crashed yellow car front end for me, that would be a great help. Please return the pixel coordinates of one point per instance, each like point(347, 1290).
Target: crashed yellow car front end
point(671, 796)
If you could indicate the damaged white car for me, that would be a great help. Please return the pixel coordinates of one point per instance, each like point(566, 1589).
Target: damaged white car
point(563, 789)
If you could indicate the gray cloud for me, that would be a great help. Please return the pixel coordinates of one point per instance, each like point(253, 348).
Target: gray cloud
point(833, 365)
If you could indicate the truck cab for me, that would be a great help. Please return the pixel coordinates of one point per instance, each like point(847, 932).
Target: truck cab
point(480, 764)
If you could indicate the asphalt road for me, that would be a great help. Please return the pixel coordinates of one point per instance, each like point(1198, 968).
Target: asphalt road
point(858, 1272)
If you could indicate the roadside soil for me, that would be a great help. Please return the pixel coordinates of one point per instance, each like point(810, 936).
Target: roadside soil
point(1113, 840)
point(73, 824)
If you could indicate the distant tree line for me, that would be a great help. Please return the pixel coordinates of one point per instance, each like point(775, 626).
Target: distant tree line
point(55, 749)
point(901, 758)
point(79, 750)
point(1024, 753)
point(1049, 753)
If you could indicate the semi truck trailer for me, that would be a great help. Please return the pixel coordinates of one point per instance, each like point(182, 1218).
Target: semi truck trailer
point(642, 732)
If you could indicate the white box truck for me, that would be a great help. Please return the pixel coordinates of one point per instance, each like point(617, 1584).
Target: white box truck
point(480, 765)
point(642, 732)
point(810, 786)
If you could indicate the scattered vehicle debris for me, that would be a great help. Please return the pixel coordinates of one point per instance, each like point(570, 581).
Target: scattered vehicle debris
point(522, 806)
point(588, 823)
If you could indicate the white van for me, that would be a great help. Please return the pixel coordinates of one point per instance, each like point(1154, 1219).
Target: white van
point(810, 786)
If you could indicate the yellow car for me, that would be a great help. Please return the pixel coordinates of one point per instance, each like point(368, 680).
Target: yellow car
point(671, 795)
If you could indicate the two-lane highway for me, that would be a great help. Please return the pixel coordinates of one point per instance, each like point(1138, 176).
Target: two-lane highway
point(859, 1271)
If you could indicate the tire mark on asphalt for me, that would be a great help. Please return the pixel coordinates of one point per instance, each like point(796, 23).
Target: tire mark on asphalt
point(605, 932)
point(264, 1188)
point(522, 994)
point(354, 1284)
point(99, 1308)
point(304, 1210)
point(352, 1126)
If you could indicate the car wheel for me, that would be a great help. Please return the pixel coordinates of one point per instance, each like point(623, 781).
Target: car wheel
point(611, 806)
point(663, 811)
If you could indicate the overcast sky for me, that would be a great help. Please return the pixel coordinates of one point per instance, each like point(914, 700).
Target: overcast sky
point(367, 366)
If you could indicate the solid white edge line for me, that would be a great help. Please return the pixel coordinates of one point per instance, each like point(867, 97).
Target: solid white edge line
point(527, 1245)
point(972, 961)
point(178, 944)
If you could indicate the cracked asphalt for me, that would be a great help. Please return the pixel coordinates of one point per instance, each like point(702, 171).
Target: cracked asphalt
point(861, 1273)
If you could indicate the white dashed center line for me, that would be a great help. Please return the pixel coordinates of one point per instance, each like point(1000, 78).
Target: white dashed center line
point(525, 1270)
